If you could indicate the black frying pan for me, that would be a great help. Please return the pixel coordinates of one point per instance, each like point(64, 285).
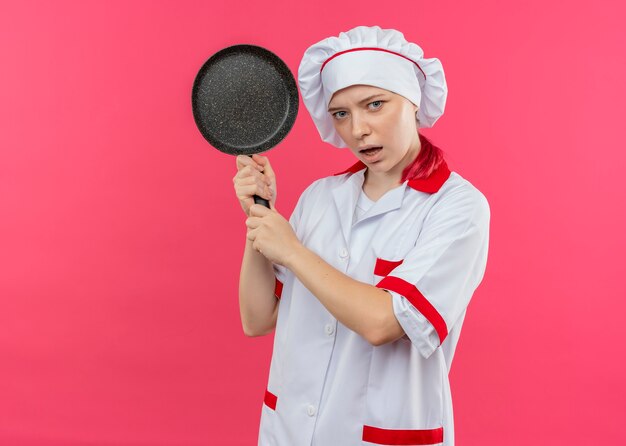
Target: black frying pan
point(244, 101)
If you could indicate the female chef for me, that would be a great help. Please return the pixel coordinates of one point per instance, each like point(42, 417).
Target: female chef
point(367, 284)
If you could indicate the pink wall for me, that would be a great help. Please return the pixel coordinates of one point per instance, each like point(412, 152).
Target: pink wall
point(120, 236)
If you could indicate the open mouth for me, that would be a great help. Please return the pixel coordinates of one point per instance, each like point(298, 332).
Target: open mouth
point(370, 151)
point(370, 154)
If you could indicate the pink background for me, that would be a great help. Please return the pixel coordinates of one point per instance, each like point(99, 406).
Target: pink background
point(120, 235)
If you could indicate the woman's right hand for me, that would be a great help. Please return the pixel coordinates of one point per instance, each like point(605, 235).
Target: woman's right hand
point(254, 177)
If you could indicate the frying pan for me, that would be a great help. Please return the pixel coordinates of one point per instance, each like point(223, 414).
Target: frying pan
point(244, 101)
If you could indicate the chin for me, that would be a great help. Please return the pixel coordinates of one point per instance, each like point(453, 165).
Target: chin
point(379, 166)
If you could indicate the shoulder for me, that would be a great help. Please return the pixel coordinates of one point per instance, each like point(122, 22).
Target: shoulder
point(326, 184)
point(315, 193)
point(460, 197)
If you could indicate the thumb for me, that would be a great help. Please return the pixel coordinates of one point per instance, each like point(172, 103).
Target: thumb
point(262, 160)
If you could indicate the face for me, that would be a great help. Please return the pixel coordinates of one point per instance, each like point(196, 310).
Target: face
point(379, 127)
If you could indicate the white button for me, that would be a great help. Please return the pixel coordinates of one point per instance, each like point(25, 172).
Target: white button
point(310, 410)
point(329, 329)
point(343, 253)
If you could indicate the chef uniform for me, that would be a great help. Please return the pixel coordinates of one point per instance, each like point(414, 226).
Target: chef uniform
point(424, 241)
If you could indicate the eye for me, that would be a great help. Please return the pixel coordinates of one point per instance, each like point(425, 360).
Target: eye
point(338, 115)
point(376, 105)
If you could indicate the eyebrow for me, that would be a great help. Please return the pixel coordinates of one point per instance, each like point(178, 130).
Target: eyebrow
point(369, 98)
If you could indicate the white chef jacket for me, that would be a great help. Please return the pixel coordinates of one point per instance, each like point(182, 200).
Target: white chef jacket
point(426, 243)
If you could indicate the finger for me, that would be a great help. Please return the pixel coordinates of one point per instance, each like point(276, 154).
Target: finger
point(268, 172)
point(253, 222)
point(260, 185)
point(246, 181)
point(248, 190)
point(244, 160)
point(258, 210)
point(259, 159)
point(263, 183)
point(251, 235)
point(248, 185)
point(265, 164)
point(248, 171)
point(267, 167)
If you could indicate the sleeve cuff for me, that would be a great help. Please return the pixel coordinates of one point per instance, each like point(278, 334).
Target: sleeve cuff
point(280, 273)
point(419, 330)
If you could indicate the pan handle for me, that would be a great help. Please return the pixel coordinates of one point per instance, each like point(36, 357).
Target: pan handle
point(260, 200)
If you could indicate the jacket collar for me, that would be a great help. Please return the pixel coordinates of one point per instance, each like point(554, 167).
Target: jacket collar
point(347, 194)
point(429, 185)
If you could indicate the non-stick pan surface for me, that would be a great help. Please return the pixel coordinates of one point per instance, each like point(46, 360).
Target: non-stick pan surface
point(244, 100)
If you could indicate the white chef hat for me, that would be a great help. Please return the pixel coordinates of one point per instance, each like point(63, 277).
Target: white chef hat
point(370, 56)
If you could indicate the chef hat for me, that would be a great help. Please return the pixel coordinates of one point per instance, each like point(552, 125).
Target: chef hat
point(370, 56)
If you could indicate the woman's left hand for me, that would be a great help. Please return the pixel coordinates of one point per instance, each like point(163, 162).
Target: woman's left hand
point(271, 234)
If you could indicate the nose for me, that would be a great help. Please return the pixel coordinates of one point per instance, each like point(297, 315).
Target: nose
point(360, 126)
